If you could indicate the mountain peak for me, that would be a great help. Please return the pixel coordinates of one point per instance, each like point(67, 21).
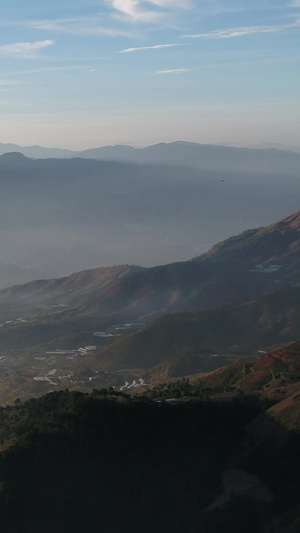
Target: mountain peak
point(14, 158)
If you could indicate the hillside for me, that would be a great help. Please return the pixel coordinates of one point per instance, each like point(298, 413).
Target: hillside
point(240, 268)
point(205, 339)
point(41, 355)
point(63, 292)
point(104, 458)
point(275, 375)
point(254, 263)
point(274, 244)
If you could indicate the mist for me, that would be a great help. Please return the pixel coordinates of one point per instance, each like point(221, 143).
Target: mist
point(59, 216)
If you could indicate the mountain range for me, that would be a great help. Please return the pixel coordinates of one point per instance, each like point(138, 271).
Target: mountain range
point(156, 205)
point(210, 157)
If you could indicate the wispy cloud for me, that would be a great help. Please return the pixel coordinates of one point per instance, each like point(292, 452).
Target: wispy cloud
point(241, 31)
point(155, 47)
point(24, 50)
point(141, 11)
point(84, 26)
point(134, 10)
point(173, 71)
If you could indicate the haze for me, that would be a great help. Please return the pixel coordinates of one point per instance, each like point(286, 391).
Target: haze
point(84, 74)
point(169, 202)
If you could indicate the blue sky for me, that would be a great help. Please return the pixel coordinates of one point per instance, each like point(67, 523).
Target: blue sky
point(86, 73)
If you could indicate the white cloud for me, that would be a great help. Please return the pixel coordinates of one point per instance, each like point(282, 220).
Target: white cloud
point(173, 71)
point(138, 10)
point(84, 26)
point(24, 50)
point(133, 10)
point(155, 47)
point(239, 32)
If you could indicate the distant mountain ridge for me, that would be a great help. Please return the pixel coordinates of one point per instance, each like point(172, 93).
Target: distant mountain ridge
point(35, 152)
point(204, 156)
point(63, 215)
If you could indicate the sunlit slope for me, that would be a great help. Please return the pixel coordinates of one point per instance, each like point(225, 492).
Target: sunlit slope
point(275, 375)
point(243, 267)
point(65, 292)
point(254, 263)
point(275, 244)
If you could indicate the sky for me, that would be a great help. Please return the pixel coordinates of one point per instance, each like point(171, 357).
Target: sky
point(87, 73)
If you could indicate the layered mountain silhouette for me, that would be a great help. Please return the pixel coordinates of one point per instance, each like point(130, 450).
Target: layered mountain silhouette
point(64, 215)
point(210, 157)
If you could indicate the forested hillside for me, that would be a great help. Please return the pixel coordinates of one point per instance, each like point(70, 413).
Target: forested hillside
point(71, 462)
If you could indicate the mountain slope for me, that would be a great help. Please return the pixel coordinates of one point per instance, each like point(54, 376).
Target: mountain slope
point(57, 295)
point(103, 458)
point(274, 244)
point(240, 268)
point(274, 375)
point(254, 263)
point(242, 328)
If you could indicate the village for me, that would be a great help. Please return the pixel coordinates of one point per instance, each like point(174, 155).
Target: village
point(61, 366)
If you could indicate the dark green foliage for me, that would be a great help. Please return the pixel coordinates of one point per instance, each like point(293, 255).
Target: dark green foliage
point(74, 462)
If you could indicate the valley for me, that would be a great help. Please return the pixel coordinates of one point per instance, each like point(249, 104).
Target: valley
point(110, 326)
point(177, 383)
